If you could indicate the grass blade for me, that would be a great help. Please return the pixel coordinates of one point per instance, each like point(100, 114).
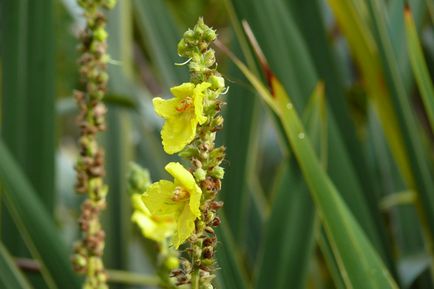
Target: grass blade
point(231, 275)
point(240, 125)
point(420, 68)
point(159, 36)
point(10, 275)
point(35, 224)
point(359, 263)
point(291, 225)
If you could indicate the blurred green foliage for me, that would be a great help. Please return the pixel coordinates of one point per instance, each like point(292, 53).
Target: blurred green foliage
point(370, 130)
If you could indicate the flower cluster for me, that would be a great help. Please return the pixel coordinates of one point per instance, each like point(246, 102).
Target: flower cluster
point(189, 201)
point(88, 251)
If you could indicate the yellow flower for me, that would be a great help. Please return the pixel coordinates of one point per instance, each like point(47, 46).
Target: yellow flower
point(179, 200)
point(152, 227)
point(182, 114)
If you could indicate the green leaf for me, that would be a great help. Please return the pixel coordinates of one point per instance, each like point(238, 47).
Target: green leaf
point(10, 275)
point(160, 36)
point(420, 68)
point(289, 58)
point(359, 263)
point(35, 224)
point(419, 177)
point(240, 128)
point(28, 99)
point(291, 225)
point(231, 274)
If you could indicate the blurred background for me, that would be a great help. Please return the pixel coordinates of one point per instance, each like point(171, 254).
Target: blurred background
point(370, 120)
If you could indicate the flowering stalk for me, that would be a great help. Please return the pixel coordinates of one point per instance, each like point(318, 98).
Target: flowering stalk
point(88, 251)
point(204, 156)
point(185, 209)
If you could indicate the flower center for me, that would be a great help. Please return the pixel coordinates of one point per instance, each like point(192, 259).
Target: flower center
point(184, 104)
point(180, 194)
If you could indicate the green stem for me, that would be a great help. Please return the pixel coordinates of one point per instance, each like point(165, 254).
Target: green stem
point(128, 278)
point(195, 279)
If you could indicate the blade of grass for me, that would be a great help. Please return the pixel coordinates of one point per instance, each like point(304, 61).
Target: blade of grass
point(35, 224)
point(420, 178)
point(291, 225)
point(359, 263)
point(159, 36)
point(231, 274)
point(288, 56)
point(28, 124)
point(117, 222)
point(14, 98)
point(10, 275)
point(420, 68)
point(240, 126)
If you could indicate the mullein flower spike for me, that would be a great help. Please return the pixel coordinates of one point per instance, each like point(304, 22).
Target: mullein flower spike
point(191, 121)
point(88, 251)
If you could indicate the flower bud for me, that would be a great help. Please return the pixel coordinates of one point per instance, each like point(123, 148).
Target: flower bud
point(100, 34)
point(217, 172)
point(200, 174)
point(217, 82)
point(171, 263)
point(209, 35)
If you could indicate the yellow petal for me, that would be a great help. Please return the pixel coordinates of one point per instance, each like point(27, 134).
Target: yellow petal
point(194, 203)
point(183, 90)
point(178, 132)
point(158, 199)
point(138, 205)
point(185, 179)
point(157, 231)
point(165, 108)
point(185, 227)
point(182, 175)
point(198, 101)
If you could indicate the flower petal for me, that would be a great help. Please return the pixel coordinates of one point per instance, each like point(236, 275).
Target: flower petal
point(165, 108)
point(185, 227)
point(157, 231)
point(198, 101)
point(194, 203)
point(182, 175)
point(178, 132)
point(138, 205)
point(183, 90)
point(158, 199)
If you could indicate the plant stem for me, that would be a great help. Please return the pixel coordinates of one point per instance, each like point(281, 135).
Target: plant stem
point(128, 278)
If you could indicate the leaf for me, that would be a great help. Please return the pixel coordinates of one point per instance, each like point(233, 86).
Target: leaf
point(35, 224)
point(231, 274)
point(10, 275)
point(420, 68)
point(159, 36)
point(292, 223)
point(359, 263)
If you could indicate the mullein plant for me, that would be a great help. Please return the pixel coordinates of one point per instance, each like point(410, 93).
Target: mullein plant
point(88, 251)
point(183, 211)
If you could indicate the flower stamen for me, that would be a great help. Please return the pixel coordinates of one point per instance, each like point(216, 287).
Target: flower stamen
point(180, 194)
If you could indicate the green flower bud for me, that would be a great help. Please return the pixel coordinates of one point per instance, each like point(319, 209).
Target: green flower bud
point(100, 34)
point(217, 82)
point(189, 35)
point(138, 179)
point(217, 172)
point(182, 48)
point(200, 174)
point(209, 35)
point(109, 4)
point(171, 263)
point(209, 58)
